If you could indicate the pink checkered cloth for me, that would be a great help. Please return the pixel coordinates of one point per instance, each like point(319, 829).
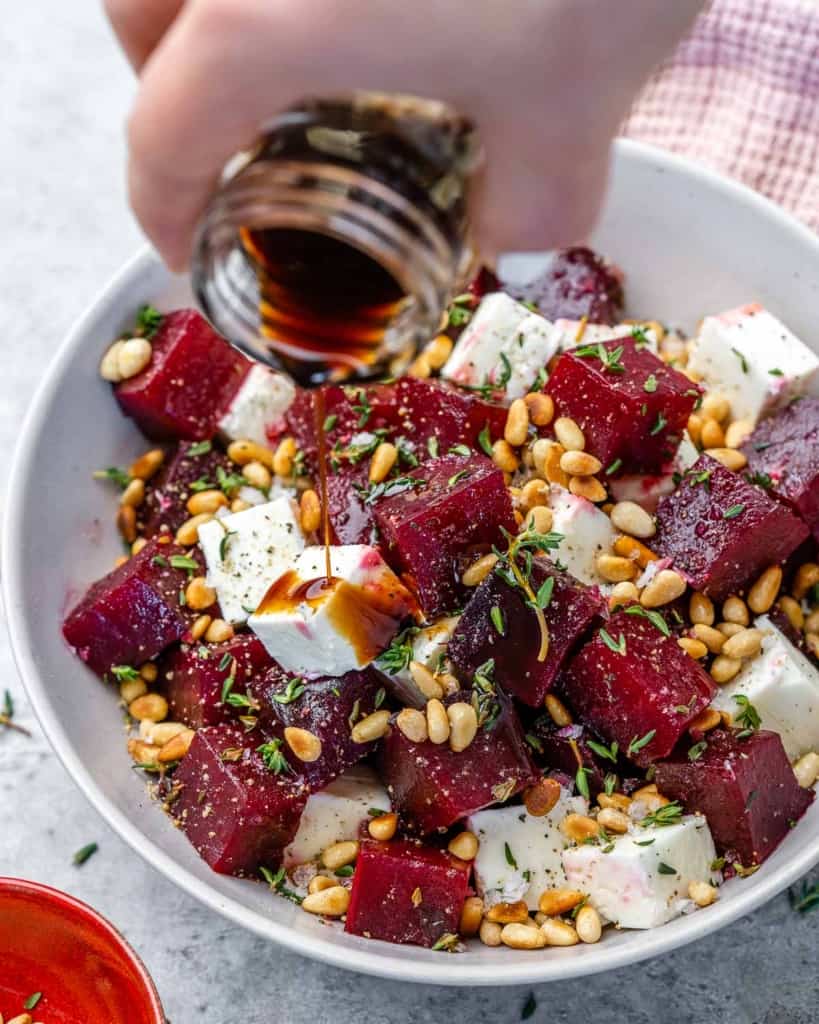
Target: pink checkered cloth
point(741, 94)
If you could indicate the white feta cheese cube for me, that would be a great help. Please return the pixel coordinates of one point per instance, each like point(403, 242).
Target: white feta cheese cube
point(587, 533)
point(259, 404)
point(313, 625)
point(754, 359)
point(246, 551)
point(647, 490)
point(571, 333)
point(783, 686)
point(427, 646)
point(640, 880)
point(336, 813)
point(503, 344)
point(519, 855)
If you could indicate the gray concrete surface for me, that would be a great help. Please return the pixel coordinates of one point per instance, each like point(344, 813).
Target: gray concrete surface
point(64, 227)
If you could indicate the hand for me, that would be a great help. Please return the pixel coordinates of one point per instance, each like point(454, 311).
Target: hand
point(547, 82)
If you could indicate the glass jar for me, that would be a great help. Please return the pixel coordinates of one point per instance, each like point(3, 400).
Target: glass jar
point(333, 247)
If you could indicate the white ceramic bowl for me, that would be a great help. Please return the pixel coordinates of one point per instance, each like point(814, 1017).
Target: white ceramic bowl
point(689, 242)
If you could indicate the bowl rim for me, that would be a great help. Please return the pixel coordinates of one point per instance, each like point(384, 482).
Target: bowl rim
point(385, 960)
point(47, 894)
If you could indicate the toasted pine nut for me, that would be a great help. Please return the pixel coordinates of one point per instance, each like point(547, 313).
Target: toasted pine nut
point(176, 747)
point(521, 936)
point(628, 547)
point(130, 689)
point(534, 494)
point(413, 724)
point(464, 846)
point(745, 644)
point(694, 648)
point(159, 733)
point(516, 430)
point(728, 457)
point(319, 883)
point(541, 408)
point(623, 594)
point(542, 797)
point(425, 681)
point(339, 855)
point(701, 609)
point(734, 609)
point(198, 595)
point(716, 406)
point(144, 467)
point(588, 925)
point(650, 789)
point(218, 631)
point(257, 475)
point(133, 356)
point(120, 560)
point(539, 451)
point(615, 568)
point(21, 1018)
point(188, 532)
point(711, 435)
point(463, 725)
point(588, 487)
point(738, 433)
point(577, 463)
point(138, 545)
point(554, 902)
point(150, 706)
point(283, 457)
point(619, 801)
point(478, 571)
point(371, 727)
point(310, 511)
point(724, 669)
point(629, 517)
point(449, 683)
point(490, 933)
point(812, 622)
point(332, 902)
point(244, 452)
point(109, 364)
point(706, 720)
point(569, 434)
point(471, 916)
point(142, 752)
point(702, 893)
point(240, 505)
point(551, 465)
point(383, 827)
point(134, 493)
point(206, 502)
point(504, 456)
point(806, 769)
point(200, 627)
point(558, 711)
point(792, 610)
point(508, 913)
point(558, 933)
point(666, 586)
point(437, 721)
point(694, 428)
point(812, 641)
point(419, 368)
point(730, 628)
point(613, 820)
point(304, 744)
point(539, 519)
point(384, 458)
point(579, 827)
point(126, 523)
point(438, 351)
point(807, 576)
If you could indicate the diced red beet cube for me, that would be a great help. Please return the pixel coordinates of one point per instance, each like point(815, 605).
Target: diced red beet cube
point(459, 503)
point(384, 901)
point(188, 384)
point(193, 463)
point(327, 707)
point(576, 283)
point(567, 749)
point(236, 811)
point(634, 685)
point(351, 518)
point(745, 788)
point(721, 531)
point(572, 608)
point(133, 613)
point(484, 282)
point(630, 405)
point(194, 676)
point(783, 456)
point(433, 787)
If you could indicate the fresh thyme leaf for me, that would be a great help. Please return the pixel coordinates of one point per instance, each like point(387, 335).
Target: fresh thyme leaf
point(148, 321)
point(534, 742)
point(32, 1000)
point(345, 871)
point(610, 360)
point(485, 441)
point(776, 372)
point(460, 449)
point(433, 447)
point(743, 362)
point(666, 869)
point(242, 700)
point(229, 482)
point(658, 426)
point(510, 857)
point(650, 385)
point(806, 899)
point(273, 758)
point(748, 717)
point(224, 542)
point(484, 696)
point(329, 422)
point(183, 562)
point(160, 560)
point(85, 853)
point(227, 686)
point(362, 407)
point(760, 479)
point(609, 783)
point(380, 697)
point(387, 488)
point(668, 814)
point(202, 484)
point(544, 595)
point(114, 474)
point(457, 477)
point(224, 661)
point(733, 511)
point(8, 704)
point(637, 744)
point(447, 942)
point(614, 467)
point(609, 753)
point(276, 883)
point(582, 782)
point(124, 673)
point(654, 617)
point(696, 752)
point(505, 375)
point(618, 646)
point(496, 615)
point(529, 1007)
point(199, 448)
point(406, 455)
point(398, 655)
point(294, 689)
